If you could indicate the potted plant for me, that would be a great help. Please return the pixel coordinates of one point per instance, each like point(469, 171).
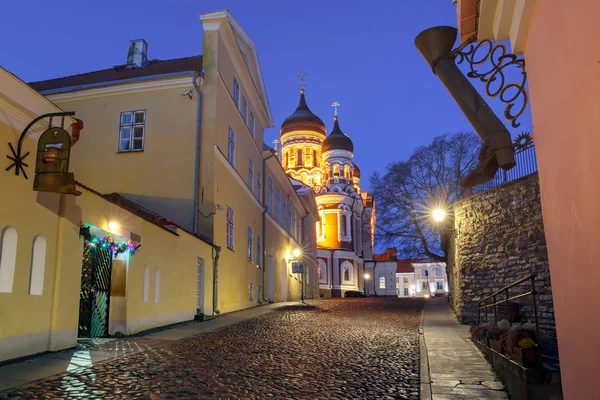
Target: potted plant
point(521, 346)
point(496, 336)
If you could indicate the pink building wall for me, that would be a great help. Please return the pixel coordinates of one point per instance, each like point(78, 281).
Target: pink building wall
point(563, 66)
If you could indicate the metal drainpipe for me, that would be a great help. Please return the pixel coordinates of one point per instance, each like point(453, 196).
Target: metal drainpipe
point(264, 228)
point(216, 279)
point(198, 154)
point(304, 270)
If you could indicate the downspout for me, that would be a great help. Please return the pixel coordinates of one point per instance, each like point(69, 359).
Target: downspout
point(197, 159)
point(216, 254)
point(264, 226)
point(302, 232)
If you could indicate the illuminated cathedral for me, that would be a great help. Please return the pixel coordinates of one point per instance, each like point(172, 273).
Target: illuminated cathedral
point(347, 216)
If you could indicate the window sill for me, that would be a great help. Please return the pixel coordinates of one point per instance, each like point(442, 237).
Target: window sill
point(130, 151)
point(230, 249)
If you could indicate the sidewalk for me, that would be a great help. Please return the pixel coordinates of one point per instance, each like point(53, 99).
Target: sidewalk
point(452, 367)
point(90, 352)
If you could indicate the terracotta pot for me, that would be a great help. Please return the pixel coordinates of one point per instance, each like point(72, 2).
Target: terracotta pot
point(496, 345)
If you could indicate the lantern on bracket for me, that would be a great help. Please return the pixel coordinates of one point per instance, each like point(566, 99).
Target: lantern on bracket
point(52, 156)
point(52, 163)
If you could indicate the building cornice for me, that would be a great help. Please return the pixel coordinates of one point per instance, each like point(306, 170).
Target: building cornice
point(116, 88)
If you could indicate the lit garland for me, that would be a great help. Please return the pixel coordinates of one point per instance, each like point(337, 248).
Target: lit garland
point(107, 242)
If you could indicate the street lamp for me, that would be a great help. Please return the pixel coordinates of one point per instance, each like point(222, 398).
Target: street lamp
point(438, 214)
point(297, 254)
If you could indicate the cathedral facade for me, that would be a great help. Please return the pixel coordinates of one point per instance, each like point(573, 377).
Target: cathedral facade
point(325, 162)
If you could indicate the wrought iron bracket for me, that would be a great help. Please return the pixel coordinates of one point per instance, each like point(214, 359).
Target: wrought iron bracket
point(496, 83)
point(17, 157)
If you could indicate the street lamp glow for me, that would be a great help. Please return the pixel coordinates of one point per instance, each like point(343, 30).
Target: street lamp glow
point(297, 253)
point(113, 226)
point(438, 215)
point(367, 276)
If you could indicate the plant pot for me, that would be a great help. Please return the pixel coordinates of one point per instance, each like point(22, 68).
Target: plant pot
point(496, 345)
point(529, 357)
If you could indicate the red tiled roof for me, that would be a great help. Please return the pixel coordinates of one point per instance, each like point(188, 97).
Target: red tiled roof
point(406, 265)
point(154, 67)
point(390, 254)
point(137, 209)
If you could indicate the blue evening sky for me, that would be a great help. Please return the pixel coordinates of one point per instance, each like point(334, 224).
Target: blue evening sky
point(359, 53)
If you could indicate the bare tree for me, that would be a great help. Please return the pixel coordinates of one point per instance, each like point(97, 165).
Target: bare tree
point(409, 190)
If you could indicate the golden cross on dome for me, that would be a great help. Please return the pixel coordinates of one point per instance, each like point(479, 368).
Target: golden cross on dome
point(335, 105)
point(301, 75)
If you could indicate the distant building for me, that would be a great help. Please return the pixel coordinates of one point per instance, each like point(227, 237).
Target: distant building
point(415, 277)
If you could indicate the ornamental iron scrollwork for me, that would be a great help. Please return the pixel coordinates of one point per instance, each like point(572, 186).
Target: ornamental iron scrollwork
point(523, 141)
point(496, 83)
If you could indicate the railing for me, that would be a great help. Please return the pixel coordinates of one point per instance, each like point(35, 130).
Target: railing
point(526, 165)
point(507, 299)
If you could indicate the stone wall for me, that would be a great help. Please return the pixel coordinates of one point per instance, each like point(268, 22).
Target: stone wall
point(498, 239)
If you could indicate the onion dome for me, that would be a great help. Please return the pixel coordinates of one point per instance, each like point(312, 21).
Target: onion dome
point(337, 140)
point(356, 171)
point(303, 120)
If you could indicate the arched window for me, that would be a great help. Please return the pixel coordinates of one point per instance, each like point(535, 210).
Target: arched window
point(347, 272)
point(38, 263)
point(336, 171)
point(322, 271)
point(346, 171)
point(8, 258)
point(381, 282)
point(344, 225)
point(156, 286)
point(146, 282)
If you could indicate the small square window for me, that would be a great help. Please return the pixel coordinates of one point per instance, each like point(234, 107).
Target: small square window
point(132, 129)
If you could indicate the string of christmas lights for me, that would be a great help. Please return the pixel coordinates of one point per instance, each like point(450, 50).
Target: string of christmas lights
point(107, 242)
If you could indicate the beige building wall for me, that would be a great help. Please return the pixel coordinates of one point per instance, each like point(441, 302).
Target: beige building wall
point(161, 177)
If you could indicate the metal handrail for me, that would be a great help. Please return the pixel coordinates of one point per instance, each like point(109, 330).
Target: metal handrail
point(508, 299)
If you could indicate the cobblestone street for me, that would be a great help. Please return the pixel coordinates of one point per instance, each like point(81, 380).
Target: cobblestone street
point(342, 348)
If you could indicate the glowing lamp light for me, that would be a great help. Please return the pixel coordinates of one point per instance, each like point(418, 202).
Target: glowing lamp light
point(113, 226)
point(438, 215)
point(367, 276)
point(297, 253)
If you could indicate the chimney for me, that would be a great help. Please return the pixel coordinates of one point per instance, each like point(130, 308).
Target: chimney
point(136, 57)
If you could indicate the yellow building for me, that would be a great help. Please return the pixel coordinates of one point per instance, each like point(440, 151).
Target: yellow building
point(172, 159)
point(48, 239)
point(325, 163)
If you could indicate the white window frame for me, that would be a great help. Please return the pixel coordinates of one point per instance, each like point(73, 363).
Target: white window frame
point(250, 174)
point(258, 251)
point(236, 92)
point(231, 146)
point(244, 109)
point(132, 125)
point(249, 243)
point(38, 264)
point(250, 292)
point(277, 203)
point(146, 282)
point(284, 207)
point(259, 187)
point(323, 271)
point(251, 124)
point(230, 227)
point(8, 258)
point(350, 269)
point(156, 286)
point(382, 282)
point(270, 195)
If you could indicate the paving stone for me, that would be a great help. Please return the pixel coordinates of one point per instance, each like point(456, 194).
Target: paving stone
point(494, 385)
point(334, 348)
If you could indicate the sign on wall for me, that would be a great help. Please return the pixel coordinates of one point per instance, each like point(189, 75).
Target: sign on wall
point(297, 268)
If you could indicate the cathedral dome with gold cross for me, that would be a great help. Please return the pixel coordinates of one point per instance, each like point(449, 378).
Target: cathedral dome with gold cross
point(303, 120)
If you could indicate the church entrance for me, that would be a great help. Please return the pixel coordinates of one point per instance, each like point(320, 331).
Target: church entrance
point(94, 300)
